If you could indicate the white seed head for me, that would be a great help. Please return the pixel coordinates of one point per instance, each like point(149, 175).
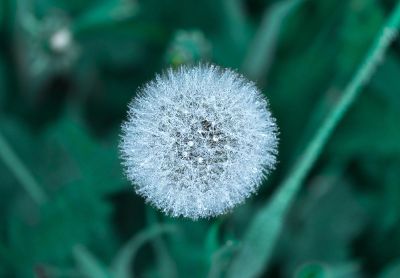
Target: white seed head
point(61, 40)
point(198, 141)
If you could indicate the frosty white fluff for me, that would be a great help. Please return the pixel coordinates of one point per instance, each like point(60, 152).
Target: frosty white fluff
point(198, 141)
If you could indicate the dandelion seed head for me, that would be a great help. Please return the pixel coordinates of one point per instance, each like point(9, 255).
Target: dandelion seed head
point(198, 141)
point(61, 40)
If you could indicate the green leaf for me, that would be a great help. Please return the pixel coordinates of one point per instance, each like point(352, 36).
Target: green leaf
point(90, 162)
point(370, 129)
point(3, 78)
point(311, 270)
point(125, 258)
point(262, 49)
point(317, 217)
point(391, 271)
point(264, 230)
point(323, 270)
point(108, 12)
point(77, 172)
point(384, 84)
point(221, 259)
point(361, 22)
point(88, 264)
point(192, 239)
point(21, 172)
point(230, 44)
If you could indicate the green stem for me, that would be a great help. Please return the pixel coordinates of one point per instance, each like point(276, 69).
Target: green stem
point(19, 170)
point(265, 228)
point(363, 75)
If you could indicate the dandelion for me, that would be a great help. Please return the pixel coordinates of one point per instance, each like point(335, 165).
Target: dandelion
point(198, 141)
point(61, 40)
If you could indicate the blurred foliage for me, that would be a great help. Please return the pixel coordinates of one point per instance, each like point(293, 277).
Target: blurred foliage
point(68, 68)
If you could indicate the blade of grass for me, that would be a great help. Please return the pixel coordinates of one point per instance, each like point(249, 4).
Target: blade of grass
point(21, 172)
point(260, 238)
point(261, 51)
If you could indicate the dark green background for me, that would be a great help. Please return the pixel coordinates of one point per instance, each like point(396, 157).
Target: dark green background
point(61, 110)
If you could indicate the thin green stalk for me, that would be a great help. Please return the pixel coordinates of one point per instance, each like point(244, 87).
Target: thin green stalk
point(16, 166)
point(261, 51)
point(264, 230)
point(363, 75)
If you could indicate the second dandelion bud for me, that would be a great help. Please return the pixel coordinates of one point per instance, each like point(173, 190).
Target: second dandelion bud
point(198, 141)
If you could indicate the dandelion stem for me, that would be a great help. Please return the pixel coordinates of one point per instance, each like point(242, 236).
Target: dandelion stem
point(362, 76)
point(261, 51)
point(16, 166)
point(266, 226)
